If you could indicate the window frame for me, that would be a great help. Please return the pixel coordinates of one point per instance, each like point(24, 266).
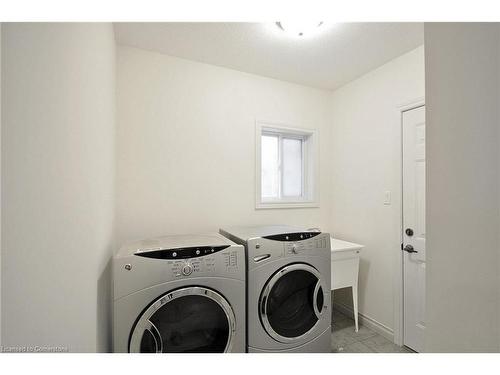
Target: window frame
point(309, 138)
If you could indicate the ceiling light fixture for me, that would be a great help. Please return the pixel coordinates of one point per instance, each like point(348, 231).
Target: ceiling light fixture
point(299, 29)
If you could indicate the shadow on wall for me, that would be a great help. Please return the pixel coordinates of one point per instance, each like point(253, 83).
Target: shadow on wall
point(104, 310)
point(364, 269)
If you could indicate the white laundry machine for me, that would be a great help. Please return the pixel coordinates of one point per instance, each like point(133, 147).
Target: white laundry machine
point(288, 288)
point(178, 294)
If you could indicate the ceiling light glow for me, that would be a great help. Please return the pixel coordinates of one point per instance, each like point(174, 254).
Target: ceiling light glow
point(300, 29)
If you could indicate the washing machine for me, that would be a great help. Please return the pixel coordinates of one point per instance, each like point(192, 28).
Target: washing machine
point(288, 288)
point(179, 294)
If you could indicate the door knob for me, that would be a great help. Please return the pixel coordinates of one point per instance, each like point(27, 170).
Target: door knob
point(409, 232)
point(410, 249)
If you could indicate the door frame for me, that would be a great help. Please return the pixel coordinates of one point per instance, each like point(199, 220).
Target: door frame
point(398, 279)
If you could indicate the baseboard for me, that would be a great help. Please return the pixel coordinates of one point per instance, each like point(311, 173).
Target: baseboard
point(366, 321)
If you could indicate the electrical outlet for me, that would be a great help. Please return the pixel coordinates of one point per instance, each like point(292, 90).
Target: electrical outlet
point(387, 198)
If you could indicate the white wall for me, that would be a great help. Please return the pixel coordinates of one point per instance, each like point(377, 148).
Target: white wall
point(186, 145)
point(462, 91)
point(0, 183)
point(365, 154)
point(184, 163)
point(58, 93)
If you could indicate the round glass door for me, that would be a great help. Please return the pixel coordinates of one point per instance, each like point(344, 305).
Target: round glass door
point(187, 320)
point(291, 303)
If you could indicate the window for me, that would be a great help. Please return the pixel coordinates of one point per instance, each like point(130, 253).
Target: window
point(285, 167)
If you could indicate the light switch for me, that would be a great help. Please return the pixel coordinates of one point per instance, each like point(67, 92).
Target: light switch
point(387, 198)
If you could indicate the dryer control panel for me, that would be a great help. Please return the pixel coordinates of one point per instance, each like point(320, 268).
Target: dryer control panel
point(292, 237)
point(287, 245)
point(300, 247)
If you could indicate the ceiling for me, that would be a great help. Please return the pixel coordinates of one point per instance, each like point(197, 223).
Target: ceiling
point(337, 55)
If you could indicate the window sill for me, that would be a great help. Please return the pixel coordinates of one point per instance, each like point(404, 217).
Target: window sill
point(284, 204)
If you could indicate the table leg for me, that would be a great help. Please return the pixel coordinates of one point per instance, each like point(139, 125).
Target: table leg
point(331, 304)
point(355, 304)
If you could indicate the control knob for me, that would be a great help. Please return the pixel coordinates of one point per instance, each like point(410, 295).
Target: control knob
point(187, 269)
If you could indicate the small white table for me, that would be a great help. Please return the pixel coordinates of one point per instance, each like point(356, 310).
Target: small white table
point(345, 269)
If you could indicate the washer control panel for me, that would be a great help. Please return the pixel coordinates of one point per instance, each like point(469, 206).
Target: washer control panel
point(192, 267)
point(180, 253)
point(197, 261)
point(144, 269)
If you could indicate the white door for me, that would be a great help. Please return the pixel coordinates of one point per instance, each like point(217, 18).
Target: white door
point(414, 228)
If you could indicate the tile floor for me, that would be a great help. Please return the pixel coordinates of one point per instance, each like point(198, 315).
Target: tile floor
point(346, 340)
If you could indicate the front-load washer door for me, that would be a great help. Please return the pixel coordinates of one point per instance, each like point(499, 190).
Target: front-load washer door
point(187, 320)
point(291, 303)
